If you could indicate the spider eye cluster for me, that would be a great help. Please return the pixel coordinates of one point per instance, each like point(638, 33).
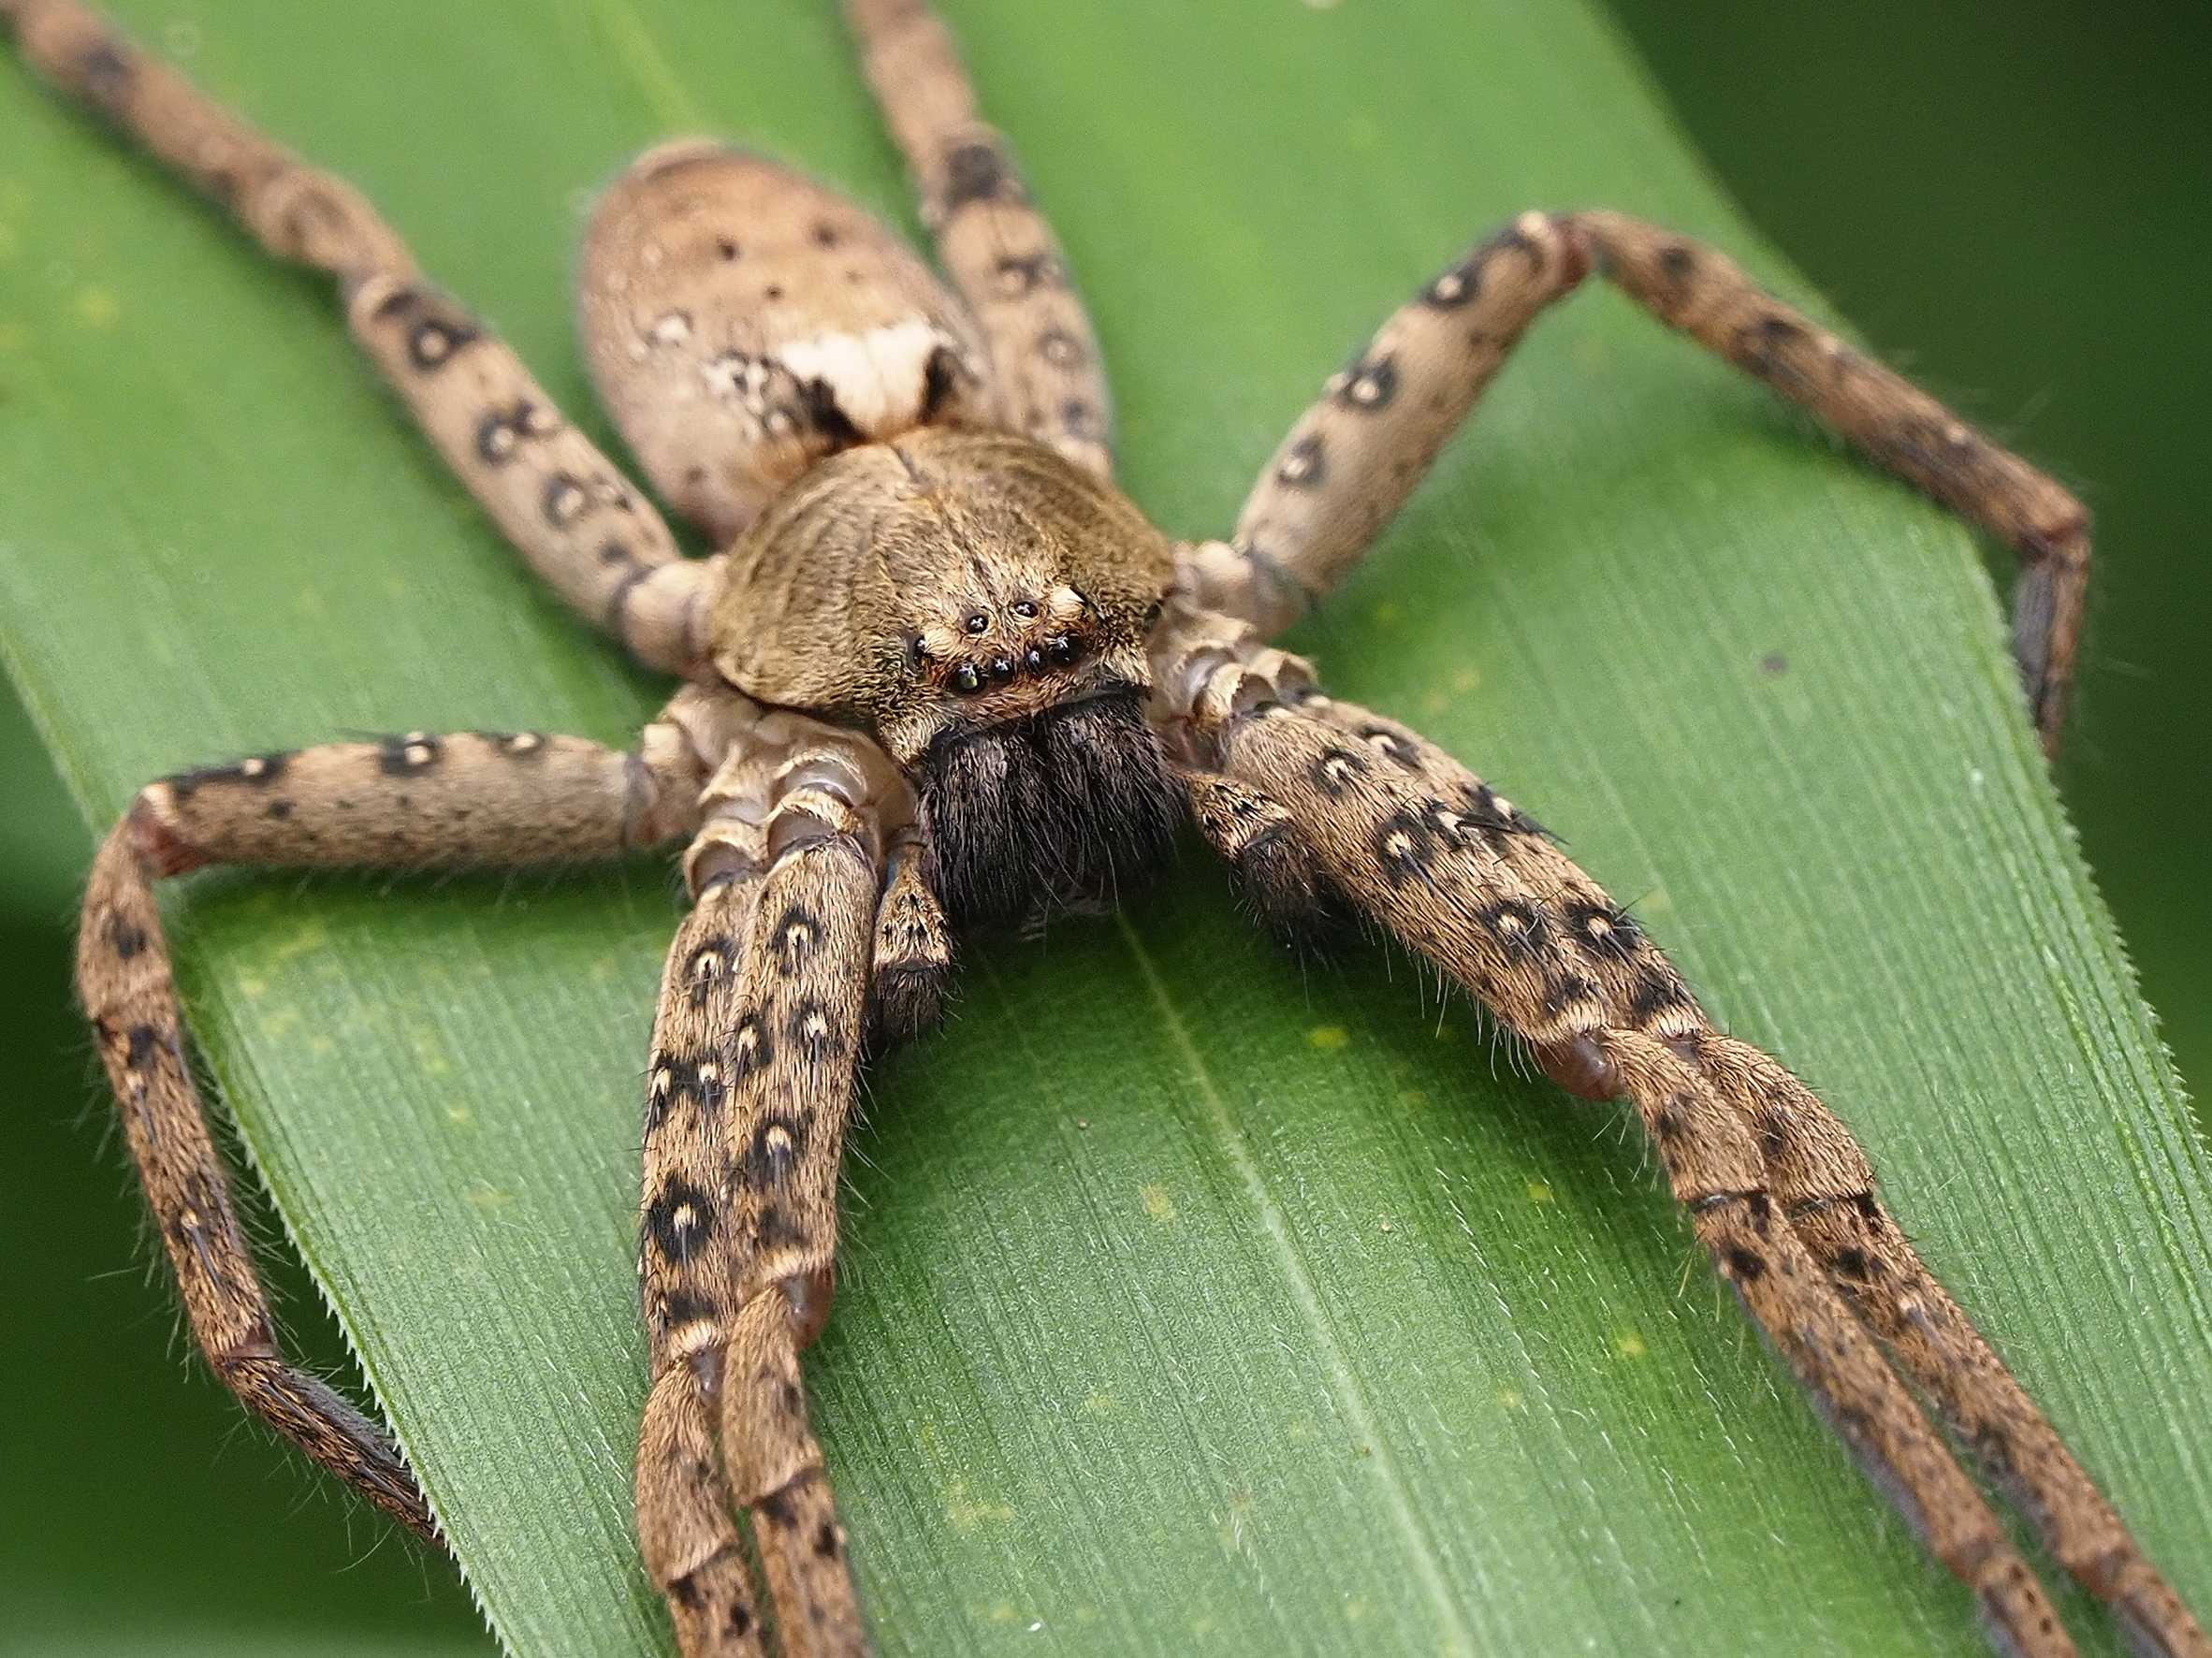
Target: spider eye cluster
point(981, 648)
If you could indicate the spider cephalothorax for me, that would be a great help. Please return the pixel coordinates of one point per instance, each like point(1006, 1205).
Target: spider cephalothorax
point(981, 607)
point(938, 666)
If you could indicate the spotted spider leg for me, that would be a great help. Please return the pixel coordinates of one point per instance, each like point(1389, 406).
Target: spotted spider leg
point(756, 1051)
point(566, 508)
point(991, 238)
point(1309, 794)
point(407, 802)
point(1351, 460)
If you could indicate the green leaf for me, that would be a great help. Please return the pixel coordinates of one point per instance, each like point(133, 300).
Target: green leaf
point(1190, 1299)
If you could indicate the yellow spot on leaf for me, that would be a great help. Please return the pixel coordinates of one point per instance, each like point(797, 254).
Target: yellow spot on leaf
point(252, 987)
point(1388, 613)
point(1655, 902)
point(1510, 1397)
point(1539, 1191)
point(1467, 679)
point(307, 938)
point(1101, 1404)
point(487, 1198)
point(1415, 1097)
point(96, 308)
point(1629, 1344)
point(967, 1512)
point(1436, 702)
point(1158, 1204)
point(460, 1117)
point(12, 336)
point(1004, 1612)
point(1327, 1038)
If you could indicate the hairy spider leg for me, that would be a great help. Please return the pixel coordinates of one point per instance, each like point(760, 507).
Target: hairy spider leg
point(756, 1051)
point(569, 512)
point(1351, 460)
point(992, 239)
point(1312, 794)
point(411, 801)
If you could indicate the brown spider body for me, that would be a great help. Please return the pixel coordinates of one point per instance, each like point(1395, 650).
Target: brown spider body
point(939, 667)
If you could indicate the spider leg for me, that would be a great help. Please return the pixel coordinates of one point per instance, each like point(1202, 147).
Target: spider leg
point(994, 242)
point(756, 1050)
point(1776, 1191)
point(1352, 458)
point(565, 506)
point(475, 799)
point(1825, 1185)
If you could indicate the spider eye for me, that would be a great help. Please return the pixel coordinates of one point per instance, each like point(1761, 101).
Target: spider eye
point(1060, 649)
point(1001, 667)
point(965, 680)
point(977, 621)
point(1027, 610)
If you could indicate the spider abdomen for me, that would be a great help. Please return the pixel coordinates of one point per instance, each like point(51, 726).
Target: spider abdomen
point(742, 322)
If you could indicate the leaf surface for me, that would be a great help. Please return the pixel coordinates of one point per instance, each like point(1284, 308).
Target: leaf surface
point(1190, 1298)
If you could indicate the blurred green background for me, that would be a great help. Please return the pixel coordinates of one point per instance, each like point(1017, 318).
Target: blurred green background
point(2008, 198)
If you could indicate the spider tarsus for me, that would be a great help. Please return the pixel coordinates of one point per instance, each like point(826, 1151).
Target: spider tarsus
point(1297, 904)
point(905, 1001)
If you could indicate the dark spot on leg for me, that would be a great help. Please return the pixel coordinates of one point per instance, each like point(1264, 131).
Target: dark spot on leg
point(679, 1307)
point(564, 500)
point(1461, 283)
point(750, 1047)
point(1564, 991)
point(776, 1148)
point(1336, 766)
point(1658, 991)
point(1854, 1263)
point(105, 74)
point(1602, 931)
point(797, 931)
point(399, 757)
point(1747, 1266)
point(125, 938)
point(978, 173)
point(1517, 925)
point(142, 1044)
point(1390, 746)
point(258, 770)
point(1020, 274)
point(1368, 385)
point(825, 1540)
point(1061, 349)
point(1304, 465)
point(776, 1230)
point(811, 1028)
point(679, 1221)
point(708, 966)
point(434, 342)
point(1079, 420)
